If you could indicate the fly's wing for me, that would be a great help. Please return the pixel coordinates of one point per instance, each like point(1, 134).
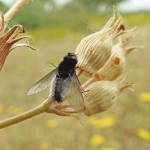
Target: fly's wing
point(75, 97)
point(43, 83)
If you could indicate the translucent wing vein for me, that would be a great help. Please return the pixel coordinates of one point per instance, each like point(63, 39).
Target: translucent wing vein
point(75, 97)
point(43, 83)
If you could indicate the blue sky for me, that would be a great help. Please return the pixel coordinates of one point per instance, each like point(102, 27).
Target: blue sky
point(129, 5)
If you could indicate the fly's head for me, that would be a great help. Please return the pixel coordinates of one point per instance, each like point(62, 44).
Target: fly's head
point(71, 57)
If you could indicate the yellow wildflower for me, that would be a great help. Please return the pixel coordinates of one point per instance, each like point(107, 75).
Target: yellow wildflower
point(44, 146)
point(101, 123)
point(15, 110)
point(105, 122)
point(11, 108)
point(144, 134)
point(52, 123)
point(92, 120)
point(58, 149)
point(18, 110)
point(145, 96)
point(108, 148)
point(97, 139)
point(1, 109)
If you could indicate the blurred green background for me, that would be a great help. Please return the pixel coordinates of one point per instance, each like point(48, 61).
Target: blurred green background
point(57, 30)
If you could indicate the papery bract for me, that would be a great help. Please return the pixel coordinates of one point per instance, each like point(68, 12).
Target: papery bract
point(102, 94)
point(94, 50)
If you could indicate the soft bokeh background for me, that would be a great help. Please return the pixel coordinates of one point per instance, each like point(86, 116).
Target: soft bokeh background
point(57, 29)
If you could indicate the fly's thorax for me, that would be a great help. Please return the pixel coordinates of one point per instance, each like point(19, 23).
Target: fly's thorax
point(72, 57)
point(66, 67)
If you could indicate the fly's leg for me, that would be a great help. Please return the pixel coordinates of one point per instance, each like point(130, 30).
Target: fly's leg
point(58, 110)
point(84, 91)
point(62, 106)
point(65, 112)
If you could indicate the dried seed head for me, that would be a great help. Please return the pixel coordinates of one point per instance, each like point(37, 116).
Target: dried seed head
point(95, 50)
point(116, 63)
point(6, 43)
point(102, 95)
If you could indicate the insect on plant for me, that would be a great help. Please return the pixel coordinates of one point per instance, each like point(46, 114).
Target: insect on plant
point(63, 83)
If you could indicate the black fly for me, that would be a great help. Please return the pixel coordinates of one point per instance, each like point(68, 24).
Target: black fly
point(63, 83)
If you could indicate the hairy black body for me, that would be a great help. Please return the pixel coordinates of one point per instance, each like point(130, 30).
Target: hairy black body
point(65, 70)
point(67, 66)
point(63, 83)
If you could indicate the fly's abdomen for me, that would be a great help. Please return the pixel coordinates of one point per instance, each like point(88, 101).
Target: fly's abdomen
point(61, 89)
point(58, 90)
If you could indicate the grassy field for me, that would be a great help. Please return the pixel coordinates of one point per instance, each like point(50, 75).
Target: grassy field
point(125, 126)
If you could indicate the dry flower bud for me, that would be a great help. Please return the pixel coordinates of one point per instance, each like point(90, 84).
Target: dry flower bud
point(116, 63)
point(102, 95)
point(95, 50)
point(7, 44)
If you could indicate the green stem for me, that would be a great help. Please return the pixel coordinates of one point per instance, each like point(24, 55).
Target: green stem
point(26, 115)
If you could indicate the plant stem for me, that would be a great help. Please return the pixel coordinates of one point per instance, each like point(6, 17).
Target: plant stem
point(31, 113)
point(12, 11)
point(91, 80)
